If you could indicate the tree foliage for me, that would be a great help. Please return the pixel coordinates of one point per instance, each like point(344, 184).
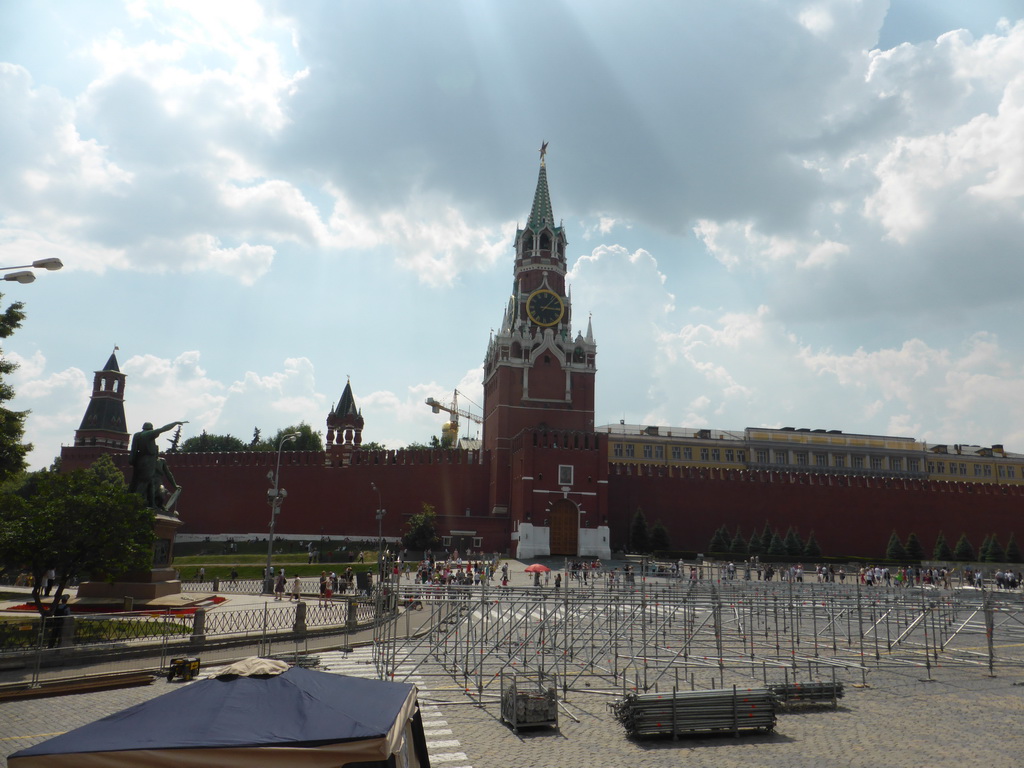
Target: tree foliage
point(942, 550)
point(639, 535)
point(207, 443)
point(738, 545)
point(308, 440)
point(963, 550)
point(812, 548)
point(660, 541)
point(793, 543)
point(915, 550)
point(756, 545)
point(421, 529)
point(1013, 554)
point(776, 546)
point(895, 550)
point(12, 423)
point(995, 553)
point(719, 541)
point(78, 523)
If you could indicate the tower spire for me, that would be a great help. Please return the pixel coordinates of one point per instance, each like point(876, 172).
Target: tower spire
point(540, 214)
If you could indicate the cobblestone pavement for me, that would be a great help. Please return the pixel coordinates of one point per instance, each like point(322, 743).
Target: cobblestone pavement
point(898, 720)
point(963, 717)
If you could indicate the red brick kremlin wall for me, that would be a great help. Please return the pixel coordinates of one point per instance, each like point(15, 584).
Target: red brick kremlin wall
point(848, 515)
point(225, 493)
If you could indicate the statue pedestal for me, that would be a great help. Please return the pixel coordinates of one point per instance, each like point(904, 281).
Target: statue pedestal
point(159, 581)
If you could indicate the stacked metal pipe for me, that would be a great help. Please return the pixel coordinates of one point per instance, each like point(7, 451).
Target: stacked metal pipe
point(807, 692)
point(654, 714)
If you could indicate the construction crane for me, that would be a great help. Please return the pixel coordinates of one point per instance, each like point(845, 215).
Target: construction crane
point(450, 430)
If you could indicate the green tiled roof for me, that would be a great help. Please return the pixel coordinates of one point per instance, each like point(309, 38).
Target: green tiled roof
point(541, 214)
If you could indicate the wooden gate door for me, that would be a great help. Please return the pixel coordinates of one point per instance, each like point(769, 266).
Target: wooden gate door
point(564, 520)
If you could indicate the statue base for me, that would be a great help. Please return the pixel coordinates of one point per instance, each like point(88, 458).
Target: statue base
point(159, 581)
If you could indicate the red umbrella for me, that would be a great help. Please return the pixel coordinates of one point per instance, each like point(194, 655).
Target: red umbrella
point(537, 568)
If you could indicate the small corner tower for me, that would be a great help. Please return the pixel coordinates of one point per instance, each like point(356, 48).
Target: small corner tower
point(103, 425)
point(344, 429)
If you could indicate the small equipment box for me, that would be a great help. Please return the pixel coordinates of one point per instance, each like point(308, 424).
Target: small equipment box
point(185, 667)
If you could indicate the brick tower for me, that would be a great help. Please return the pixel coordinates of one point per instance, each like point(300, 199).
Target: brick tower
point(103, 425)
point(539, 400)
point(344, 429)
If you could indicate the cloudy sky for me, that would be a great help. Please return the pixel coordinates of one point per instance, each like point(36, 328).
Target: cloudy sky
point(779, 213)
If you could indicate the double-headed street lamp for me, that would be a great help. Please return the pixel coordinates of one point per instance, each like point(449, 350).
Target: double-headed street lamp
point(380, 529)
point(28, 277)
point(275, 496)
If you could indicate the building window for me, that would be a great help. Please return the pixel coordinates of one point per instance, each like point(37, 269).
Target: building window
point(857, 462)
point(617, 450)
point(781, 457)
point(716, 455)
point(629, 451)
point(977, 470)
point(676, 453)
point(478, 542)
point(940, 467)
point(963, 468)
point(896, 465)
point(839, 460)
point(446, 541)
point(762, 457)
point(741, 456)
point(565, 474)
point(1011, 472)
point(1002, 472)
point(659, 451)
point(729, 455)
point(914, 465)
point(877, 462)
point(688, 454)
point(988, 470)
point(647, 451)
point(801, 458)
point(703, 454)
point(821, 459)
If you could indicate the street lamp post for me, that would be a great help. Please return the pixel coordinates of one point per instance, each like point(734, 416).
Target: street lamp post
point(380, 530)
point(26, 276)
point(275, 496)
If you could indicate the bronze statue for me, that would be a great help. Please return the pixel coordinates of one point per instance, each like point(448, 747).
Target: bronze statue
point(146, 464)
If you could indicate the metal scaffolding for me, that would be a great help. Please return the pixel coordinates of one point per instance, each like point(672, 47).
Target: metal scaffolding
point(675, 633)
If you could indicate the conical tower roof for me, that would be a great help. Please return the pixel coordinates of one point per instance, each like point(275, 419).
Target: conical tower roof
point(347, 403)
point(541, 214)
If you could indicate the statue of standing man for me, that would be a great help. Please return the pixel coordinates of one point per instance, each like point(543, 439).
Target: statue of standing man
point(145, 461)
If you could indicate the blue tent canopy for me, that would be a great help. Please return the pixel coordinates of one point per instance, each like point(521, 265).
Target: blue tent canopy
point(304, 713)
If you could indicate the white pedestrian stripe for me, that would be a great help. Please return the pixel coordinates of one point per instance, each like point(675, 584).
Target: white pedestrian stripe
point(359, 663)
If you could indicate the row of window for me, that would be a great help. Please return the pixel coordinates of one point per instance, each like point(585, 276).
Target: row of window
point(678, 453)
point(839, 461)
point(807, 459)
point(1006, 472)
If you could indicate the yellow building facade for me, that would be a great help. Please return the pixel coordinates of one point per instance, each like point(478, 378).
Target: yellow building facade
point(812, 450)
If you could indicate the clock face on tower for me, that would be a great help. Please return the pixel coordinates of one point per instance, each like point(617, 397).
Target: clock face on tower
point(545, 307)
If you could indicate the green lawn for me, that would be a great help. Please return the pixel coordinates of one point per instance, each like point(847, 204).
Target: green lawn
point(248, 568)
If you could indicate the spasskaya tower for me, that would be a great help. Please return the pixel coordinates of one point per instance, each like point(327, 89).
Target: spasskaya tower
point(539, 386)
